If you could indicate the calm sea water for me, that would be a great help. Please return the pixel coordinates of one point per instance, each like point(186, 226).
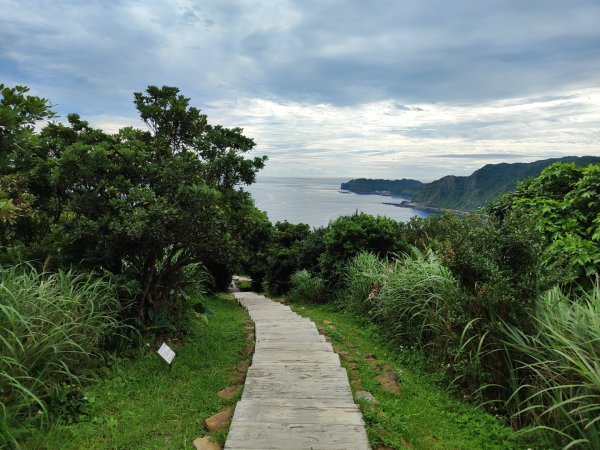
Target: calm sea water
point(317, 201)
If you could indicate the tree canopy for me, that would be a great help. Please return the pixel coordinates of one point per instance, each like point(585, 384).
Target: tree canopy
point(145, 205)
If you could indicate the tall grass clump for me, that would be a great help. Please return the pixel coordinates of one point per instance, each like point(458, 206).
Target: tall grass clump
point(364, 276)
point(558, 368)
point(52, 330)
point(417, 302)
point(306, 287)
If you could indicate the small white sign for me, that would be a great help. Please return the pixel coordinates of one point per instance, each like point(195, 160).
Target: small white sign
point(166, 353)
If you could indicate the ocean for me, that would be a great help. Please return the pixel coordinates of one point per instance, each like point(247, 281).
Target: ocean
point(317, 201)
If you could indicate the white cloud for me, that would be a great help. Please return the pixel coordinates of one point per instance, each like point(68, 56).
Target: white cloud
point(330, 88)
point(396, 140)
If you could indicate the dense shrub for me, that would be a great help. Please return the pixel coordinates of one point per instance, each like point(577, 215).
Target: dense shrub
point(364, 277)
point(556, 369)
point(347, 236)
point(54, 328)
point(305, 287)
point(420, 303)
point(566, 203)
point(310, 249)
point(284, 255)
point(499, 263)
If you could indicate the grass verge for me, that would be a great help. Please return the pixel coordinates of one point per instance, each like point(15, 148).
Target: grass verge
point(422, 415)
point(144, 404)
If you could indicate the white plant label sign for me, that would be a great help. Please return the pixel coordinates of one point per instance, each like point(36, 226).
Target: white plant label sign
point(166, 353)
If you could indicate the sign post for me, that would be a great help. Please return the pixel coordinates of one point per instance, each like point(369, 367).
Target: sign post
point(166, 353)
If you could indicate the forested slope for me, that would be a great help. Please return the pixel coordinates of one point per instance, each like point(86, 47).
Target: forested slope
point(463, 192)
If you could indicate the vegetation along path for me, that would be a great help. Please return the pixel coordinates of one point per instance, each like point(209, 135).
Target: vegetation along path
point(296, 394)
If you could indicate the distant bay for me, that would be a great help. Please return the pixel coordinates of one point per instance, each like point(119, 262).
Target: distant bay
point(317, 201)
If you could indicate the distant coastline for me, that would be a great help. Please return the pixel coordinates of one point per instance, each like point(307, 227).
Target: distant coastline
point(428, 209)
point(458, 194)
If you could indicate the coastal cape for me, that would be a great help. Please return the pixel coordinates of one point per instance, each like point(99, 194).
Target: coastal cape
point(462, 193)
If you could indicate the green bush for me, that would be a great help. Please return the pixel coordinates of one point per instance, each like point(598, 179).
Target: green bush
point(556, 369)
point(347, 236)
point(364, 276)
point(420, 303)
point(566, 203)
point(53, 329)
point(305, 287)
point(499, 263)
point(283, 257)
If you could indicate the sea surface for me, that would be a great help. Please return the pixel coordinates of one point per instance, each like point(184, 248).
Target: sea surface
point(317, 201)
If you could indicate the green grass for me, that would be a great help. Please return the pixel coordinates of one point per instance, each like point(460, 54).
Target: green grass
point(558, 368)
point(54, 330)
point(424, 415)
point(144, 404)
point(245, 285)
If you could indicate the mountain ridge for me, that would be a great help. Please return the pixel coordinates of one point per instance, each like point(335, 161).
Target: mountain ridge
point(465, 193)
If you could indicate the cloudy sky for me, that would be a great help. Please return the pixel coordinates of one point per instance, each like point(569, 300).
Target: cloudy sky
point(390, 89)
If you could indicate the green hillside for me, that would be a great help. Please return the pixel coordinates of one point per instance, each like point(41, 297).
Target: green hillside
point(463, 192)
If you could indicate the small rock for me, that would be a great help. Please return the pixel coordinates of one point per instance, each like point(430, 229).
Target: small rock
point(205, 443)
point(243, 365)
point(373, 362)
point(219, 420)
point(381, 432)
point(364, 395)
point(229, 392)
point(345, 356)
point(356, 385)
point(326, 322)
point(249, 348)
point(389, 382)
point(238, 378)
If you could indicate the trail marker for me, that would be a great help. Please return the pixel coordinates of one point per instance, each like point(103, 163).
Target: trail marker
point(166, 353)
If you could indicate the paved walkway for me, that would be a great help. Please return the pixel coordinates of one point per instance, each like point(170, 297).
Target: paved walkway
point(296, 394)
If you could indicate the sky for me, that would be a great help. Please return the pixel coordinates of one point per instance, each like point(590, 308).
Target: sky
point(330, 88)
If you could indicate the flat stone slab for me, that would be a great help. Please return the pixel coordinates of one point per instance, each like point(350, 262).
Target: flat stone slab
point(269, 372)
point(296, 394)
point(293, 346)
point(296, 436)
point(265, 357)
point(298, 411)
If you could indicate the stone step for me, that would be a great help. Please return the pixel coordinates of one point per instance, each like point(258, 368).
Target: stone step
point(282, 357)
point(288, 335)
point(319, 389)
point(296, 436)
point(296, 372)
point(302, 411)
point(277, 337)
point(293, 345)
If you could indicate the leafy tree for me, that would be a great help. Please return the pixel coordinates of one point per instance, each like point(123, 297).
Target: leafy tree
point(144, 205)
point(284, 254)
point(565, 200)
point(19, 112)
point(347, 236)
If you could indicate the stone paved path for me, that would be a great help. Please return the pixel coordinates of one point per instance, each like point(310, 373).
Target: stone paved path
point(296, 394)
